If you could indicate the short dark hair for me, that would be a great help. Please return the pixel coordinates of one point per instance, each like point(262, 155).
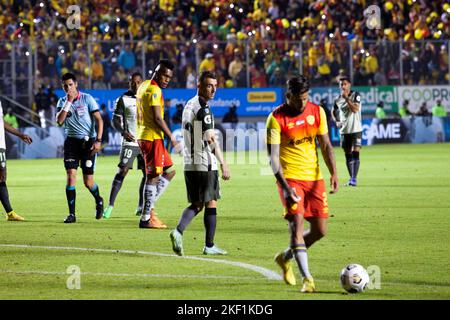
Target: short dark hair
point(68, 76)
point(296, 85)
point(135, 74)
point(345, 78)
point(166, 63)
point(205, 75)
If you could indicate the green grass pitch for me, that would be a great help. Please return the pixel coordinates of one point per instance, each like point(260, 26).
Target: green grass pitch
point(398, 218)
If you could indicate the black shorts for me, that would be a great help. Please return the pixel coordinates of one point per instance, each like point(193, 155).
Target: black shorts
point(202, 186)
point(127, 156)
point(77, 152)
point(351, 140)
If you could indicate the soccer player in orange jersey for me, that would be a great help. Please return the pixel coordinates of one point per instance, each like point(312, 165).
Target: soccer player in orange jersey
point(151, 129)
point(292, 129)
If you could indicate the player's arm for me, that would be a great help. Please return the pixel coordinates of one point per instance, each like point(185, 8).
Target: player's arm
point(162, 124)
point(273, 150)
point(64, 109)
point(289, 192)
point(210, 137)
point(335, 115)
point(61, 115)
point(330, 160)
point(24, 137)
point(334, 112)
point(118, 120)
point(328, 152)
point(98, 140)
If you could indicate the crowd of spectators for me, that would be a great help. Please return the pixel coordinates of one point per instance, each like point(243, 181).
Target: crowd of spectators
point(277, 38)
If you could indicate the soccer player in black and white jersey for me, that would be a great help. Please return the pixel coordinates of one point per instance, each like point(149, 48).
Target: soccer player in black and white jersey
point(347, 115)
point(124, 121)
point(4, 196)
point(202, 157)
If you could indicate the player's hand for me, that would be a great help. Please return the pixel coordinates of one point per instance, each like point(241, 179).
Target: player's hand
point(96, 147)
point(339, 124)
point(345, 95)
point(71, 95)
point(291, 197)
point(226, 174)
point(176, 146)
point(334, 184)
point(26, 138)
point(128, 136)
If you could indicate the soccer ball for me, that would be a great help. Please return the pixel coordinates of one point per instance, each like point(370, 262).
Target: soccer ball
point(354, 278)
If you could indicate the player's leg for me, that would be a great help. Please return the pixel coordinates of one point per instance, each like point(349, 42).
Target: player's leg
point(163, 166)
point(164, 180)
point(164, 160)
point(126, 159)
point(72, 150)
point(356, 147)
point(93, 188)
point(149, 195)
point(4, 195)
point(284, 258)
point(141, 166)
point(210, 221)
point(316, 211)
point(298, 247)
point(176, 235)
point(140, 205)
point(317, 230)
point(192, 180)
point(162, 184)
point(87, 166)
point(209, 193)
point(347, 147)
point(71, 194)
point(116, 185)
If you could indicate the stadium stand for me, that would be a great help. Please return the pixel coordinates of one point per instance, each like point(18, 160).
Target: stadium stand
point(251, 43)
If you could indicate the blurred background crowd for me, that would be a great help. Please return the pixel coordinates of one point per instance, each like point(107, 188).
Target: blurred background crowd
point(249, 43)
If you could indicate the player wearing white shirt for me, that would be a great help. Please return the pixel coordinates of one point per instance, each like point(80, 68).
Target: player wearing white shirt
point(201, 154)
point(4, 195)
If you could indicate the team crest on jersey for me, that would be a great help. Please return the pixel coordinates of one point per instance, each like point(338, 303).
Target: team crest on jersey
point(310, 120)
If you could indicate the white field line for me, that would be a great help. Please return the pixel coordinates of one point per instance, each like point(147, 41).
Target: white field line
point(131, 275)
point(269, 274)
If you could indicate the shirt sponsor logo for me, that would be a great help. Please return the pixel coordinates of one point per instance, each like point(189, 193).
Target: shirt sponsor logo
point(208, 119)
point(300, 141)
point(310, 120)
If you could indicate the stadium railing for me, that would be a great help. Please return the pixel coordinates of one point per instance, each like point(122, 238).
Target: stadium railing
point(104, 64)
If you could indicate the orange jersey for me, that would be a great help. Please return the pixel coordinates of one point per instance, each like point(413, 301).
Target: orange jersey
point(148, 96)
point(297, 139)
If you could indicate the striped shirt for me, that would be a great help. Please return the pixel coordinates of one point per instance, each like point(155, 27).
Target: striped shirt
point(79, 122)
point(197, 120)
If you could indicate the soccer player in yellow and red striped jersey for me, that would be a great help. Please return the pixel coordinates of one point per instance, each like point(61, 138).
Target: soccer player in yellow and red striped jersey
point(151, 129)
point(292, 129)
